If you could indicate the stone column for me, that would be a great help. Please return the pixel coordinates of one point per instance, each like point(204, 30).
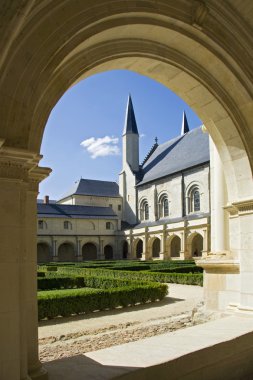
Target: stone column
point(19, 178)
point(218, 202)
point(205, 243)
point(55, 253)
point(101, 255)
point(184, 250)
point(79, 251)
point(162, 245)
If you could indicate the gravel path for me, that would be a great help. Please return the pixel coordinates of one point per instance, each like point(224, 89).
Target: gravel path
point(64, 337)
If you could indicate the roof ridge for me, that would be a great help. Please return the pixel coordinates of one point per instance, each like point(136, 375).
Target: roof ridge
point(151, 151)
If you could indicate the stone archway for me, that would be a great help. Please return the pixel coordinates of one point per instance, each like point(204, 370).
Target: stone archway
point(139, 249)
point(156, 246)
point(197, 245)
point(183, 45)
point(43, 253)
point(125, 250)
point(89, 251)
point(66, 252)
point(175, 246)
point(108, 252)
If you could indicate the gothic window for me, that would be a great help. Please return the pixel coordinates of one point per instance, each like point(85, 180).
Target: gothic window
point(108, 225)
point(119, 207)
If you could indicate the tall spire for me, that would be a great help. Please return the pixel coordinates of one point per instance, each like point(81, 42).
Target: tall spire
point(185, 126)
point(130, 122)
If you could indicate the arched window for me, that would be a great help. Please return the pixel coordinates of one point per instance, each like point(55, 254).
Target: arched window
point(42, 225)
point(194, 200)
point(163, 207)
point(144, 210)
point(67, 225)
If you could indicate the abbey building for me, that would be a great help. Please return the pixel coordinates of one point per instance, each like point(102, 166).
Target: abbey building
point(159, 210)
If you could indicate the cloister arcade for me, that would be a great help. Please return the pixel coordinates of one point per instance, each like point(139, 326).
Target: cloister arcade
point(202, 50)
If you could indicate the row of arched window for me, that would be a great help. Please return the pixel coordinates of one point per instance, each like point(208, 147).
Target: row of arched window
point(193, 200)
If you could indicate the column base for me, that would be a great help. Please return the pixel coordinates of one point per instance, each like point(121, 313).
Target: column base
point(38, 374)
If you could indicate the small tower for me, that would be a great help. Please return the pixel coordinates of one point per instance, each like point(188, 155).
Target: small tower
point(130, 139)
point(185, 126)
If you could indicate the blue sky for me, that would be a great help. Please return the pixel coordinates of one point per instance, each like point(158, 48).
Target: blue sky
point(83, 134)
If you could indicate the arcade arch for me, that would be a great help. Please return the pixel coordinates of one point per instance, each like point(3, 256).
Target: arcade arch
point(195, 244)
point(156, 246)
point(89, 251)
point(138, 248)
point(175, 246)
point(43, 253)
point(66, 252)
point(181, 46)
point(124, 249)
point(108, 252)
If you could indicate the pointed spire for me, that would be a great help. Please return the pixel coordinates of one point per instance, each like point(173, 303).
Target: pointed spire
point(130, 122)
point(185, 126)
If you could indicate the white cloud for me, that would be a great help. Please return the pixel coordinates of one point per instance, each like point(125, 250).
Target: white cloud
point(142, 135)
point(101, 146)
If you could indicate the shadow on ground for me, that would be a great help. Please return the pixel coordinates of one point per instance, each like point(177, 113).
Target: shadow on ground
point(76, 367)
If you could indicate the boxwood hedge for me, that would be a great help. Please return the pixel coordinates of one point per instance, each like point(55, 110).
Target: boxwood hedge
point(178, 278)
point(74, 301)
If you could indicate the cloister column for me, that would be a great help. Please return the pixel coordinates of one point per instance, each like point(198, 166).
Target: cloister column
point(101, 255)
point(218, 203)
point(79, 250)
point(205, 243)
point(19, 178)
point(184, 251)
point(162, 245)
point(55, 251)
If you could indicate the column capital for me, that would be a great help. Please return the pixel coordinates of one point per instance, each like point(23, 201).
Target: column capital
point(21, 165)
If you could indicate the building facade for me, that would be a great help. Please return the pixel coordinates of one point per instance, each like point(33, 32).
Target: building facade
point(166, 197)
point(160, 210)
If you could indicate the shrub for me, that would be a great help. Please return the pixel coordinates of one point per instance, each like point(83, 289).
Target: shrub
point(51, 268)
point(66, 302)
point(178, 278)
point(184, 269)
point(40, 274)
point(60, 282)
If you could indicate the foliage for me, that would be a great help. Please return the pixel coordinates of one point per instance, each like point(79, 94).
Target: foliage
point(179, 278)
point(67, 302)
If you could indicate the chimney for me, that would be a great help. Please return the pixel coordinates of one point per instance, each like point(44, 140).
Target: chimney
point(46, 199)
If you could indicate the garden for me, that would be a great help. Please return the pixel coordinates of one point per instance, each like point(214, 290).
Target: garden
point(65, 289)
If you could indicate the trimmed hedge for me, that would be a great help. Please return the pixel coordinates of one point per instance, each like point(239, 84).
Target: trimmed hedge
point(71, 282)
point(55, 282)
point(41, 274)
point(185, 269)
point(67, 302)
point(178, 278)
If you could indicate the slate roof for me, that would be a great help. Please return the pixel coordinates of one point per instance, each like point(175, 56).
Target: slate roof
point(180, 153)
point(93, 187)
point(74, 211)
point(130, 122)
